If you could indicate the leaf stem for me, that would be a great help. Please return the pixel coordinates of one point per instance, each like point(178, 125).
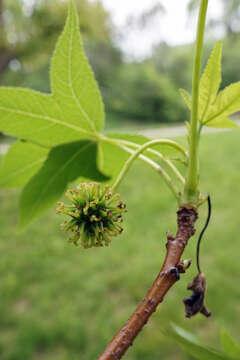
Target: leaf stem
point(161, 156)
point(134, 156)
point(166, 142)
point(120, 142)
point(191, 188)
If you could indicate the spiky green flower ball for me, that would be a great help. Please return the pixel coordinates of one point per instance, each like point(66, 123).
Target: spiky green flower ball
point(95, 214)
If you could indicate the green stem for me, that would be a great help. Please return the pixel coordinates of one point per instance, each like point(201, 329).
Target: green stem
point(166, 142)
point(161, 156)
point(200, 129)
point(191, 188)
point(134, 156)
point(119, 142)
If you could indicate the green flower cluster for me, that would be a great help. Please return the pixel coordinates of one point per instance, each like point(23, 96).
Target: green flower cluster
point(95, 214)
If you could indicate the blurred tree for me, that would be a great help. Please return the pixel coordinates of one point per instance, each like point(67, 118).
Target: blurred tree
point(29, 29)
point(106, 60)
point(230, 18)
point(174, 61)
point(231, 60)
point(146, 17)
point(130, 90)
point(144, 94)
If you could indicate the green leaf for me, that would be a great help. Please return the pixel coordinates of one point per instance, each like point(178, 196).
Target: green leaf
point(108, 153)
point(34, 116)
point(72, 79)
point(227, 103)
point(193, 347)
point(73, 112)
point(111, 160)
point(210, 81)
point(222, 123)
point(187, 98)
point(229, 346)
point(212, 112)
point(21, 162)
point(64, 164)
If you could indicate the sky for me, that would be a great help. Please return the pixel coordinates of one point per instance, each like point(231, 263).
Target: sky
point(174, 28)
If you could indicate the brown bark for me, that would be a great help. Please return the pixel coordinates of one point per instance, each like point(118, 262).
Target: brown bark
point(164, 281)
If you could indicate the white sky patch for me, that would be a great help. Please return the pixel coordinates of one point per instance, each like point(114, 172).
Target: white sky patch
point(174, 27)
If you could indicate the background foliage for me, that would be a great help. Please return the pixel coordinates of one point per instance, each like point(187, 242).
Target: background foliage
point(142, 91)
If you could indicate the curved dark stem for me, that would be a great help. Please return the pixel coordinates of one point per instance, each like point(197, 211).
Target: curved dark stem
point(202, 233)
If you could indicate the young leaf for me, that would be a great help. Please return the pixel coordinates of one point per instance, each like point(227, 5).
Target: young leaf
point(64, 164)
point(73, 112)
point(193, 347)
point(186, 97)
point(229, 346)
point(227, 103)
point(210, 81)
point(72, 79)
point(222, 123)
point(21, 162)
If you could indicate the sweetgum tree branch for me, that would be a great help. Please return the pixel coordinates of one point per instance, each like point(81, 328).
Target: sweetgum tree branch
point(167, 277)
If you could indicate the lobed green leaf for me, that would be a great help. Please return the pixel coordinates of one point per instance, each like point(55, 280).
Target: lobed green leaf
point(214, 107)
point(73, 113)
point(210, 81)
point(227, 103)
point(111, 159)
point(75, 109)
point(72, 79)
point(34, 116)
point(222, 123)
point(21, 162)
point(64, 164)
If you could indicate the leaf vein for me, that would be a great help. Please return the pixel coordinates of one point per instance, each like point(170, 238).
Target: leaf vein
point(47, 118)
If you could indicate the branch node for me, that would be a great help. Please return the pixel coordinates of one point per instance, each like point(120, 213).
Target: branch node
point(170, 236)
point(184, 265)
point(175, 272)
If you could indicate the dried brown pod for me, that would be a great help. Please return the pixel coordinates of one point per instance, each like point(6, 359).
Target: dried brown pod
point(194, 304)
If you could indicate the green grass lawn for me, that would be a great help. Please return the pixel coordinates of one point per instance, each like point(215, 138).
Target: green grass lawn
point(59, 302)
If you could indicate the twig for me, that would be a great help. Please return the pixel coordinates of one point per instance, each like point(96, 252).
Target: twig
point(167, 277)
